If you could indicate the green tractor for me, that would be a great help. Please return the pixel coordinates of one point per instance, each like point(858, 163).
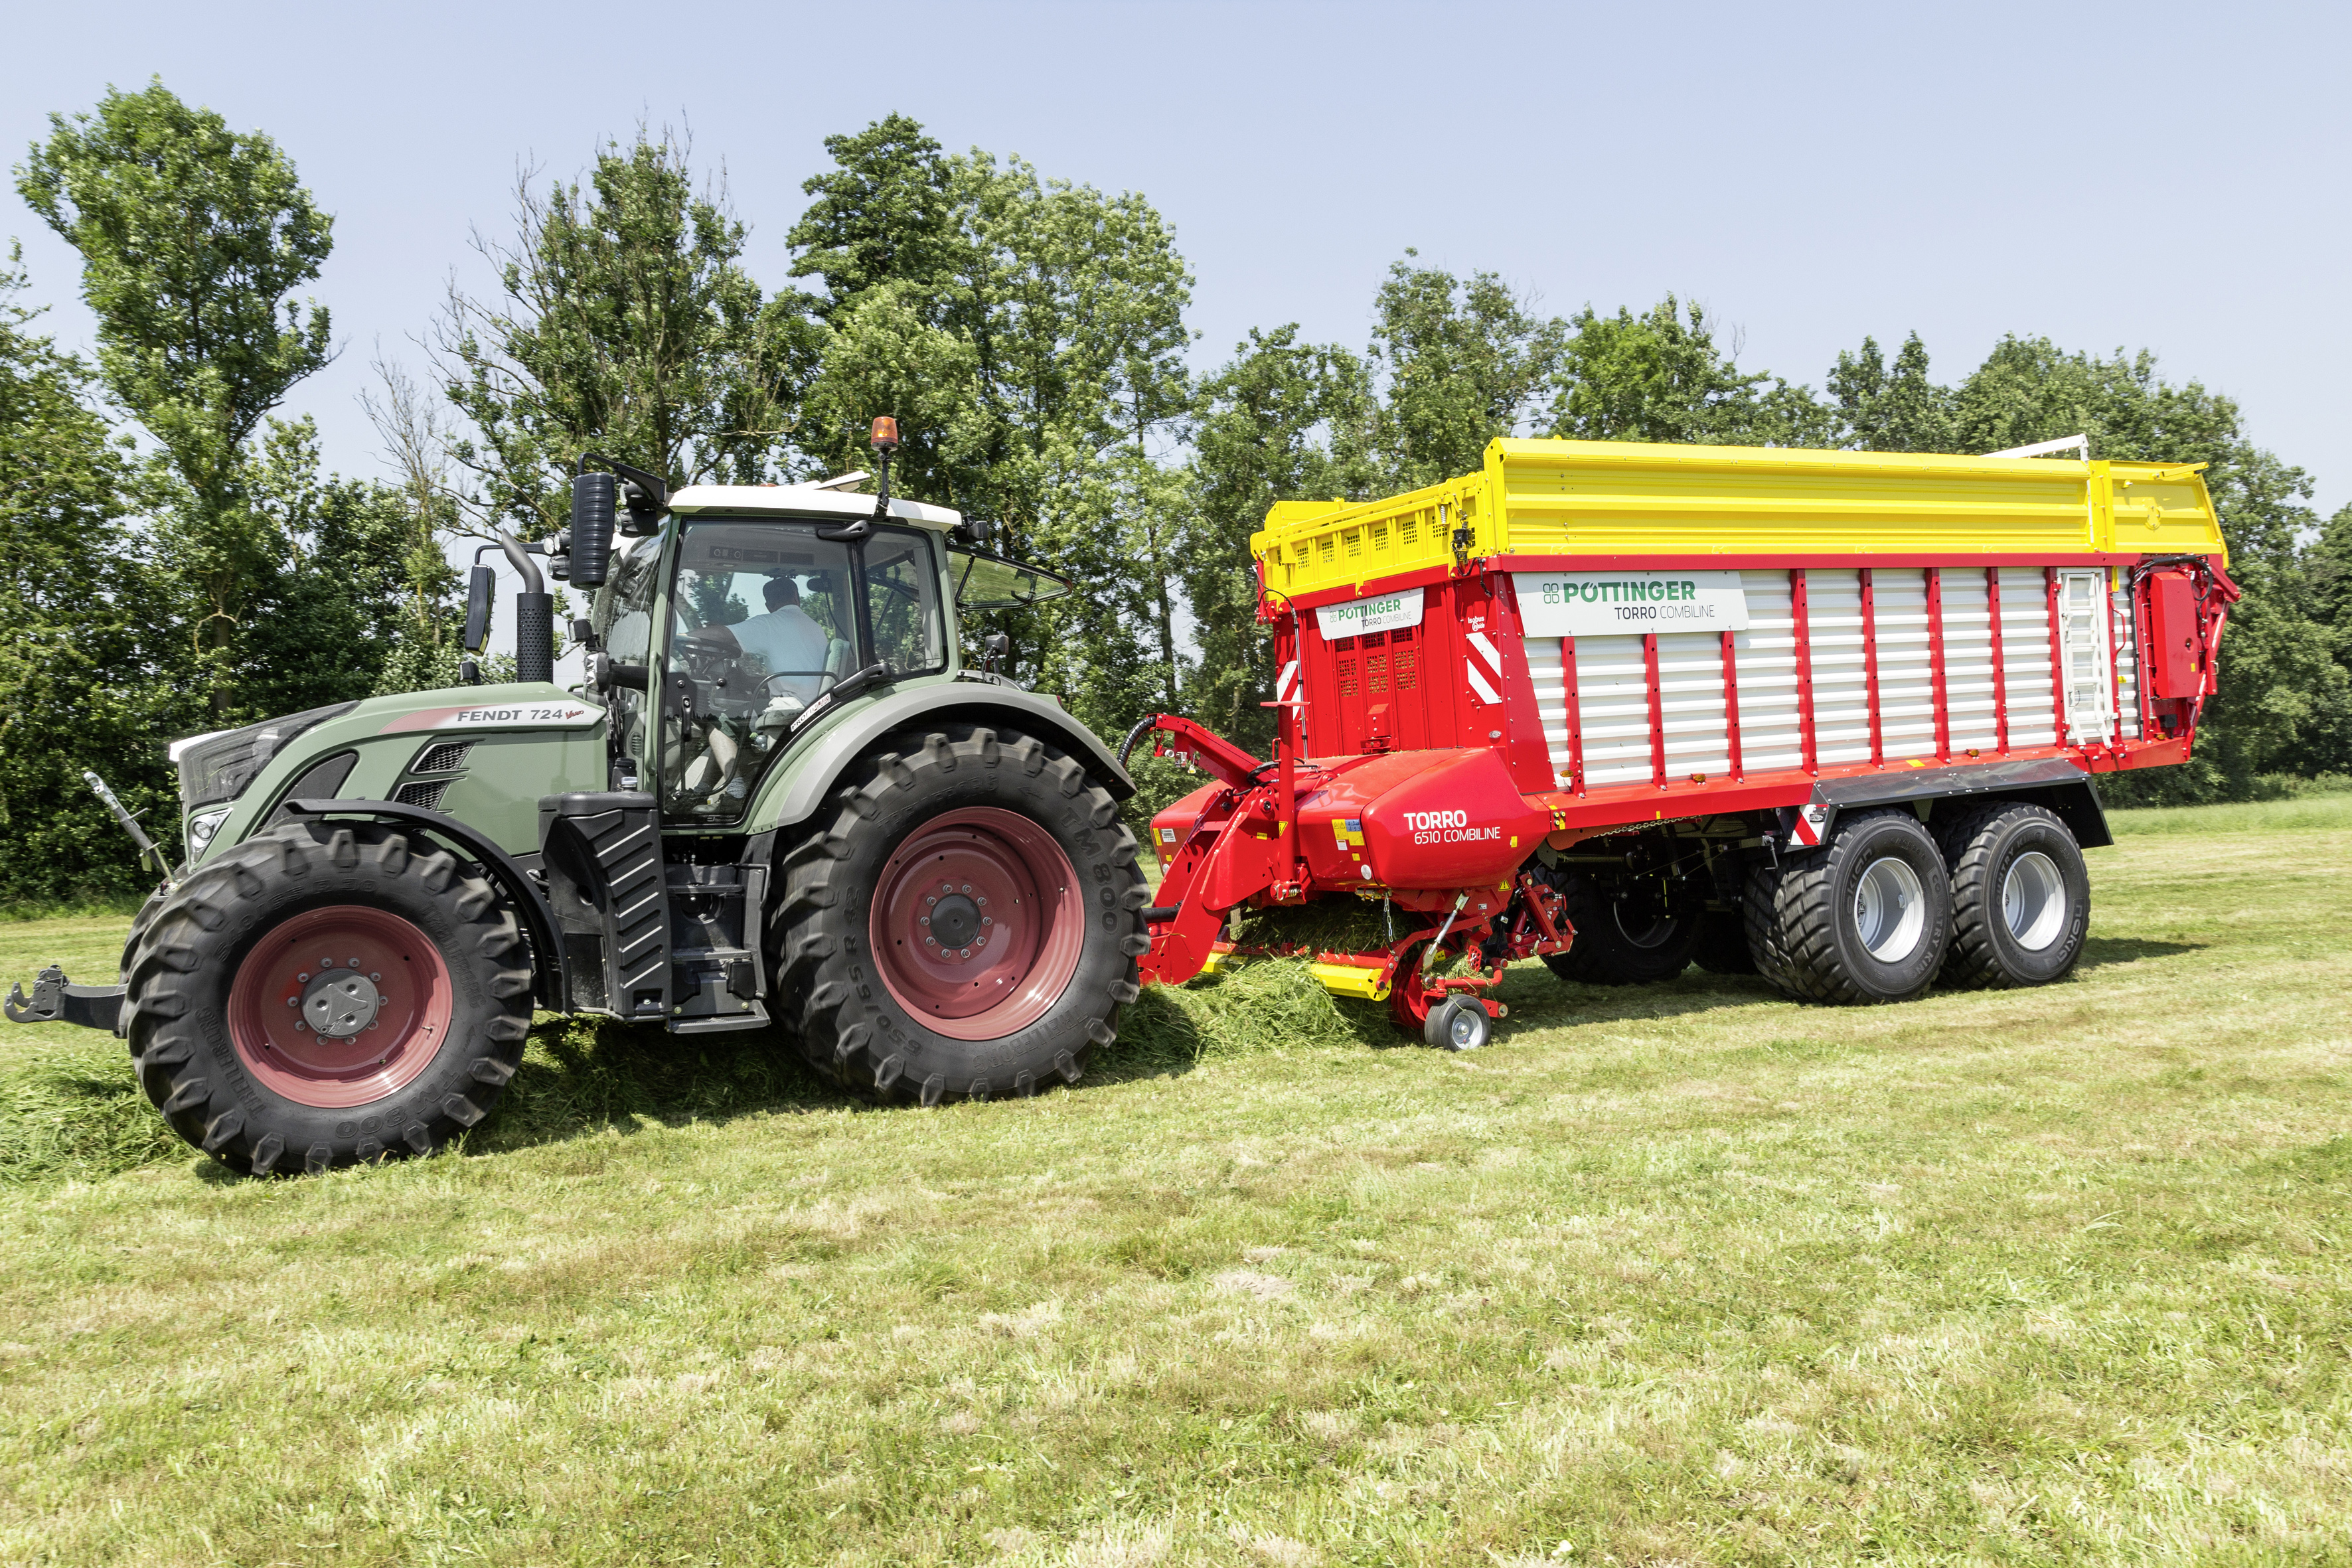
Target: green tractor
point(779, 797)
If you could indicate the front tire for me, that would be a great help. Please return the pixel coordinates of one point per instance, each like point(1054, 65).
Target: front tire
point(966, 927)
point(2020, 898)
point(325, 996)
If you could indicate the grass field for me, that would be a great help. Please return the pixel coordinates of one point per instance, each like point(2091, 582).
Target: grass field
point(1686, 1274)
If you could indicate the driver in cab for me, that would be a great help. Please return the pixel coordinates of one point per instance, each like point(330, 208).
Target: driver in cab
point(787, 640)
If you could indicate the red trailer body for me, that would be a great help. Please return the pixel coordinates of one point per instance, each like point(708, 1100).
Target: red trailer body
point(1471, 686)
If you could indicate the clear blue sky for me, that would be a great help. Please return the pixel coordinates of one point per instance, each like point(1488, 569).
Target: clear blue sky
point(2143, 176)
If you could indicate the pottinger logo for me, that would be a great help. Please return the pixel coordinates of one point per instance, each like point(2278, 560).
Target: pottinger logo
point(1446, 827)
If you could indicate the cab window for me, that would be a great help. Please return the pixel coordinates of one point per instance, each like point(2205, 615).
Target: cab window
point(902, 596)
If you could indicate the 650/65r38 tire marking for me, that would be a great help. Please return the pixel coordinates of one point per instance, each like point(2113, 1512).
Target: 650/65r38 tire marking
point(214, 960)
point(956, 815)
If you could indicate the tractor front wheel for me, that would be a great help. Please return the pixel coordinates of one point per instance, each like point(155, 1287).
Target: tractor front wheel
point(323, 995)
point(966, 926)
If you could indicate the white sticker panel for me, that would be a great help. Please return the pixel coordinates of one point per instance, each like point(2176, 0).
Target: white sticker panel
point(1605, 604)
point(1385, 614)
point(562, 713)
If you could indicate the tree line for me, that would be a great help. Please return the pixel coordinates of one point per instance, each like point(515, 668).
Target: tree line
point(174, 558)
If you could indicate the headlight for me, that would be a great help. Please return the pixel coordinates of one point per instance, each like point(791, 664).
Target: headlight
point(202, 828)
point(218, 767)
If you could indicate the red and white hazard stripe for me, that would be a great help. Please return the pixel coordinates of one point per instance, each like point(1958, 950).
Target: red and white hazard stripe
point(1484, 681)
point(1282, 682)
point(1810, 820)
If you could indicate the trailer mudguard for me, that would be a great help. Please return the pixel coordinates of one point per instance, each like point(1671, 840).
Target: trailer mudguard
point(502, 868)
point(807, 779)
point(2052, 782)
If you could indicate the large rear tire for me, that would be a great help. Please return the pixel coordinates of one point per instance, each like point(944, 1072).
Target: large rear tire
point(1865, 919)
point(322, 995)
point(967, 926)
point(2021, 897)
point(1620, 941)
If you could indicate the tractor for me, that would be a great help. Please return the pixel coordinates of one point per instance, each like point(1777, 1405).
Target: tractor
point(779, 797)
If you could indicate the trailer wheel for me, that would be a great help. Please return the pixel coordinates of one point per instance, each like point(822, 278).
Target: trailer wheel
point(967, 924)
point(1618, 942)
point(2021, 897)
point(323, 995)
point(1867, 917)
point(1759, 913)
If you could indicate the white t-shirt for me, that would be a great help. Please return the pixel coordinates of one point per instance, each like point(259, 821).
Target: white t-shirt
point(788, 642)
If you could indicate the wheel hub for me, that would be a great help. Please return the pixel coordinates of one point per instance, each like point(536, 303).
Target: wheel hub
point(340, 1003)
point(955, 919)
point(977, 923)
point(339, 1007)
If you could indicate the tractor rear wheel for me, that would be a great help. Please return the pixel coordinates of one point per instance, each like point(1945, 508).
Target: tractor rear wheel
point(1631, 941)
point(966, 926)
point(2021, 897)
point(323, 995)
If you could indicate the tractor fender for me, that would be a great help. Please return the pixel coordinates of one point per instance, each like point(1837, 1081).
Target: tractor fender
point(503, 869)
point(808, 778)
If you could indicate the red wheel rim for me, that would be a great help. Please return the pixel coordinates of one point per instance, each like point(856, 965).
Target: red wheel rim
point(371, 993)
point(978, 923)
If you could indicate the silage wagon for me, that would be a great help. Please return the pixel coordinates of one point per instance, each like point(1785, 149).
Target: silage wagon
point(1835, 716)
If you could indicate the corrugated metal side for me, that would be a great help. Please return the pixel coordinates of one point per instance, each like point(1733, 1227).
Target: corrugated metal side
point(1968, 659)
point(1612, 695)
point(1551, 682)
point(2025, 656)
point(1841, 690)
point(1907, 686)
point(1770, 736)
point(1690, 704)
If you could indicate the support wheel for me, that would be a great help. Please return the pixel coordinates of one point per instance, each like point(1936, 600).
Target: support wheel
point(967, 925)
point(323, 995)
point(1631, 941)
point(1457, 1024)
point(1865, 919)
point(2021, 897)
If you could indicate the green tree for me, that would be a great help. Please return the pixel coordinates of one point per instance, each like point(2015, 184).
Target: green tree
point(192, 237)
point(73, 678)
point(1890, 408)
point(1282, 420)
point(1459, 363)
point(1028, 335)
point(625, 324)
point(1661, 376)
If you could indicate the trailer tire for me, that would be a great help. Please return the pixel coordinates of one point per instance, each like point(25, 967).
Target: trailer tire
point(1759, 913)
point(2021, 897)
point(1605, 951)
point(1865, 919)
point(216, 1050)
point(1013, 818)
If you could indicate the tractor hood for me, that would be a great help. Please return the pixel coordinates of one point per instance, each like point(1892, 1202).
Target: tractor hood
point(486, 752)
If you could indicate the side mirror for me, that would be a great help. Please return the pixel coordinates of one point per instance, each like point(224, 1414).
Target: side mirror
point(481, 584)
point(595, 497)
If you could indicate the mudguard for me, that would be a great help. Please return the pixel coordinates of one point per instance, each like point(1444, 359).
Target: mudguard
point(799, 789)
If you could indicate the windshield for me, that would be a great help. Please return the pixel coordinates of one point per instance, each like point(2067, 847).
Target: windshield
point(762, 623)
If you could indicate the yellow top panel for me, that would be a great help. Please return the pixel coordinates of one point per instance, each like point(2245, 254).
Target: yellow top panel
point(1637, 498)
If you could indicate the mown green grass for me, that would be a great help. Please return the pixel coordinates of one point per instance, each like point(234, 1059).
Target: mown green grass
point(1685, 1274)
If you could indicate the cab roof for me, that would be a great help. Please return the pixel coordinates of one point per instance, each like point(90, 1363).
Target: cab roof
point(803, 501)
